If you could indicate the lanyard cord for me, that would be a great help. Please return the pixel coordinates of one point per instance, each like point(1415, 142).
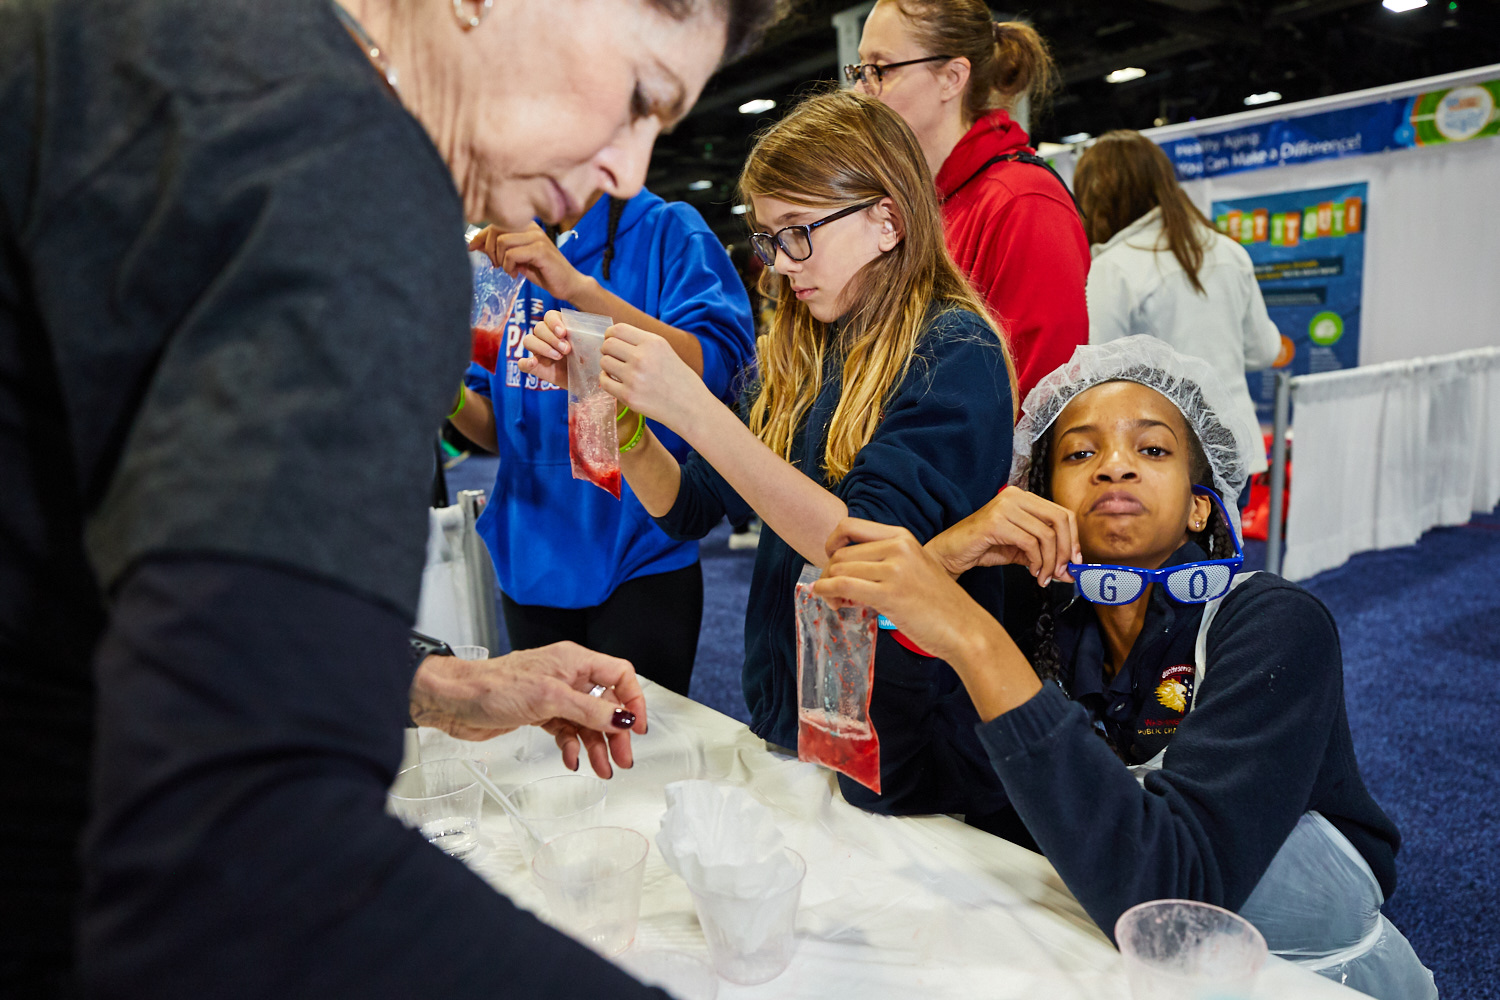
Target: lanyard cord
point(1031, 158)
point(372, 51)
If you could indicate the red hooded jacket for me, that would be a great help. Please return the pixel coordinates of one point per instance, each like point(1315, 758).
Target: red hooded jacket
point(1014, 230)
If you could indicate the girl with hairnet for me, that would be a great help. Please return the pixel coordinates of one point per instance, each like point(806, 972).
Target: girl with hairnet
point(1166, 727)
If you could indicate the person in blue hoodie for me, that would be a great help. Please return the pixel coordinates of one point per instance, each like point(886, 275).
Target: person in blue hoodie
point(575, 564)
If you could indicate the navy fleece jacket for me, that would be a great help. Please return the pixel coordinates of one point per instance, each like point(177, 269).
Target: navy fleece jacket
point(939, 454)
point(1267, 739)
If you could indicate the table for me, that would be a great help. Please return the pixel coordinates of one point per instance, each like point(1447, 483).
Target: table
point(917, 906)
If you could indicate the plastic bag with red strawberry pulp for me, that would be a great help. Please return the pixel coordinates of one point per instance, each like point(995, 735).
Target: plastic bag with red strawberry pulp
point(495, 295)
point(593, 437)
point(835, 675)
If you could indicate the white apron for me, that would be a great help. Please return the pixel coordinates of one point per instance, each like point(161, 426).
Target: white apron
point(1318, 904)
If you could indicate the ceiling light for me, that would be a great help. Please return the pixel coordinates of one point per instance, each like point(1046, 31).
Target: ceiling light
point(737, 210)
point(1135, 72)
point(761, 104)
point(1402, 6)
point(1077, 137)
point(705, 185)
point(1268, 97)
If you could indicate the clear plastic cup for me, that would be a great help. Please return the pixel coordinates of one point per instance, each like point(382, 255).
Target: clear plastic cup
point(686, 977)
point(442, 800)
point(471, 652)
point(751, 940)
point(555, 806)
point(1177, 949)
point(536, 744)
point(592, 883)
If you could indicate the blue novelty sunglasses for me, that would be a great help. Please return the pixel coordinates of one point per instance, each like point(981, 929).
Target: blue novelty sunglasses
point(1189, 583)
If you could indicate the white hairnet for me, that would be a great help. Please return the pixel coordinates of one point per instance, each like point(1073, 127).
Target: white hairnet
point(1190, 383)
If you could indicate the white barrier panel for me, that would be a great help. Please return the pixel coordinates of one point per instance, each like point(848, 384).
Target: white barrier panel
point(457, 602)
point(1384, 452)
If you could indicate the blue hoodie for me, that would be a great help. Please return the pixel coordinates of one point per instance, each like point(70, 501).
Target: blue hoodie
point(561, 542)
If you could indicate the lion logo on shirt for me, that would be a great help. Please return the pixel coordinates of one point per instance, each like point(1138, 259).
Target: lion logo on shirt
point(1175, 690)
point(1172, 694)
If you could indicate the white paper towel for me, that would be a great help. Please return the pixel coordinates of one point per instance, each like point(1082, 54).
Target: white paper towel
point(719, 839)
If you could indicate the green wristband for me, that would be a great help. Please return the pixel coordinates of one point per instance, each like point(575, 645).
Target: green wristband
point(462, 396)
point(622, 414)
point(635, 439)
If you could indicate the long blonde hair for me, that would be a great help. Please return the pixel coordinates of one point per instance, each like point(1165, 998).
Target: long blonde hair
point(832, 151)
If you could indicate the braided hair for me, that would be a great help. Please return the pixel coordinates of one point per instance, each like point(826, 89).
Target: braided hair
point(1215, 539)
point(616, 209)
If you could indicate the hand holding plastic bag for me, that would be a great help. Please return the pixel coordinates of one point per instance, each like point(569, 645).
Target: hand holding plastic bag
point(495, 295)
point(835, 675)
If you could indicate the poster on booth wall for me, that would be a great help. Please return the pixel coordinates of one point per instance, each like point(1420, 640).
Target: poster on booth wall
point(1308, 248)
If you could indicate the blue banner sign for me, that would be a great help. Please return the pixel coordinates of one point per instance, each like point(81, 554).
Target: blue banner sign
point(1456, 114)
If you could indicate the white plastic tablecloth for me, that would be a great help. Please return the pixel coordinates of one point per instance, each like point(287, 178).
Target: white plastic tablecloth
point(891, 907)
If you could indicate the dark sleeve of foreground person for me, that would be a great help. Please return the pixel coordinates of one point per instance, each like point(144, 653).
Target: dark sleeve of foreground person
point(1266, 741)
point(220, 237)
point(250, 720)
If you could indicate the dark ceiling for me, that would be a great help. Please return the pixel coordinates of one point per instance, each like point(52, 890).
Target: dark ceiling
point(1202, 57)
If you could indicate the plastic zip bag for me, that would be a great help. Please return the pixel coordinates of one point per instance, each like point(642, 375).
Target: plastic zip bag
point(835, 675)
point(593, 437)
point(495, 295)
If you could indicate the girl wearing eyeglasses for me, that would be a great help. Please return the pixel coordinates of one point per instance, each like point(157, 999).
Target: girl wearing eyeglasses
point(885, 392)
point(1165, 726)
point(955, 75)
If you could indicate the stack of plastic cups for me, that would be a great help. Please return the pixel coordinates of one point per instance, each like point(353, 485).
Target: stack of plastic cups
point(751, 940)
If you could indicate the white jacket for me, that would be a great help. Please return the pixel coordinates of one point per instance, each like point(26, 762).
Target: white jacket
point(1136, 285)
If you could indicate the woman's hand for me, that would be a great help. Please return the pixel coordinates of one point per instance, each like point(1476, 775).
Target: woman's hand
point(549, 347)
point(642, 371)
point(887, 569)
point(547, 687)
point(1014, 528)
point(532, 255)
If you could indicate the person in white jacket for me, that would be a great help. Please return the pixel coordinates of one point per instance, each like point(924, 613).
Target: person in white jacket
point(1160, 268)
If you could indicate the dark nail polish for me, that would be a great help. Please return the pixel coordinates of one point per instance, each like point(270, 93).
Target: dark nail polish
point(622, 719)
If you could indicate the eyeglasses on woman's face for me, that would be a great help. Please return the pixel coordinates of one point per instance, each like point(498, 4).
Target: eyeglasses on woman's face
point(870, 77)
point(796, 241)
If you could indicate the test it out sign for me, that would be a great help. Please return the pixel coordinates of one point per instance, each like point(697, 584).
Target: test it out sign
point(1308, 250)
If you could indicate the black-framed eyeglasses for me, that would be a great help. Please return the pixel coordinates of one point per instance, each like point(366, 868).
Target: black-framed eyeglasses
point(796, 241)
point(872, 76)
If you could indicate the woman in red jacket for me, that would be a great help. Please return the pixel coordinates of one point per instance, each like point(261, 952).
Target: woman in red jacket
point(1010, 223)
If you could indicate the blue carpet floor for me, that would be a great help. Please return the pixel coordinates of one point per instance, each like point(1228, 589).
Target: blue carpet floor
point(1421, 638)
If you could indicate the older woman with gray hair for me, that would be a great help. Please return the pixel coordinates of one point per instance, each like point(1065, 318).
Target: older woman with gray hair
point(224, 228)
